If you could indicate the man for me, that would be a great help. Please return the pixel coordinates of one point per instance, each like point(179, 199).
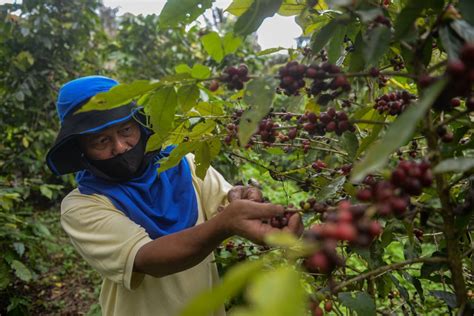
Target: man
point(150, 235)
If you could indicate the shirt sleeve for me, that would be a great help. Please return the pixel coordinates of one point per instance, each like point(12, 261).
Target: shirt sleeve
point(212, 190)
point(106, 238)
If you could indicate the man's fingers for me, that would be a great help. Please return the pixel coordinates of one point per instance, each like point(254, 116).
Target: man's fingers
point(262, 210)
point(235, 193)
point(295, 224)
point(253, 194)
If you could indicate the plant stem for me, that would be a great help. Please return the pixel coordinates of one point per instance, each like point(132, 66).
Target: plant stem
point(383, 269)
point(452, 245)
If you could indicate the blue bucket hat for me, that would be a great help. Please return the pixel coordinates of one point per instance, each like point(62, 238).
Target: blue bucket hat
point(66, 155)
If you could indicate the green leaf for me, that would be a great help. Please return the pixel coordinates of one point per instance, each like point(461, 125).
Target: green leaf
point(232, 283)
point(277, 292)
point(176, 155)
point(200, 71)
point(466, 8)
point(188, 96)
point(21, 271)
point(205, 153)
point(161, 108)
point(321, 38)
point(451, 42)
point(455, 165)
point(377, 44)
point(4, 275)
point(119, 95)
point(357, 60)
point(213, 46)
point(399, 132)
point(182, 69)
point(360, 302)
point(448, 297)
point(253, 17)
point(231, 43)
point(46, 191)
point(259, 96)
point(463, 29)
point(291, 7)
point(336, 48)
point(182, 11)
point(19, 248)
point(350, 143)
point(238, 7)
point(208, 109)
point(406, 19)
point(269, 51)
point(331, 189)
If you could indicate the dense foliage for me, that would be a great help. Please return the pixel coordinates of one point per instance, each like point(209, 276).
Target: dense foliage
point(366, 130)
point(372, 119)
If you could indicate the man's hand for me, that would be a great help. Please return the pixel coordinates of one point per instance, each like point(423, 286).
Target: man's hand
point(241, 192)
point(244, 218)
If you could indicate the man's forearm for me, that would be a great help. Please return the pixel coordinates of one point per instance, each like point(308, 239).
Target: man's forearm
point(182, 250)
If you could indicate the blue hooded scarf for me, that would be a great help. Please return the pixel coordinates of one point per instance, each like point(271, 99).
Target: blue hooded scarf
point(162, 203)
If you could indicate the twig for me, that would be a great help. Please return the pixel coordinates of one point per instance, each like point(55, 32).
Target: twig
point(390, 267)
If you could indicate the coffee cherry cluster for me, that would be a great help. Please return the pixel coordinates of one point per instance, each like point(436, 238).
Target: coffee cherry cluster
point(411, 177)
point(346, 223)
point(461, 73)
point(281, 221)
point(393, 103)
point(312, 205)
point(445, 134)
point(292, 77)
point(330, 121)
point(397, 63)
point(408, 179)
point(267, 130)
point(326, 77)
point(233, 127)
point(235, 77)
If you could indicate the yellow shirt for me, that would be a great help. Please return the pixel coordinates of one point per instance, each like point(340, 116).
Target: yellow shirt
point(108, 240)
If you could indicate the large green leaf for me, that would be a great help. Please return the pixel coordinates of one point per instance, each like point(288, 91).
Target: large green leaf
point(231, 43)
point(182, 11)
point(452, 43)
point(205, 153)
point(376, 44)
point(21, 271)
point(322, 37)
point(232, 283)
point(466, 7)
point(161, 108)
point(360, 302)
point(350, 143)
point(455, 165)
point(4, 275)
point(407, 17)
point(291, 7)
point(336, 45)
point(399, 132)
point(200, 71)
point(251, 20)
point(238, 7)
point(259, 96)
point(176, 155)
point(328, 191)
point(119, 95)
point(213, 46)
point(278, 292)
point(188, 96)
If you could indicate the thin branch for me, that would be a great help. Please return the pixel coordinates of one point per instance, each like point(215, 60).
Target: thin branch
point(390, 267)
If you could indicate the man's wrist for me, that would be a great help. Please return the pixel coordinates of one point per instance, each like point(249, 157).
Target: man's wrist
point(223, 225)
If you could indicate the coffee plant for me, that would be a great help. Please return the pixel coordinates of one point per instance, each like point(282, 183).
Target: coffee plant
point(371, 119)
